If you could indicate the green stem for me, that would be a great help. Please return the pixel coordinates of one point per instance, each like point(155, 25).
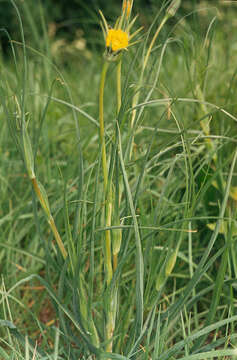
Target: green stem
point(107, 192)
point(148, 53)
point(108, 254)
point(57, 237)
point(108, 208)
point(153, 42)
point(101, 121)
point(117, 233)
point(119, 85)
point(51, 222)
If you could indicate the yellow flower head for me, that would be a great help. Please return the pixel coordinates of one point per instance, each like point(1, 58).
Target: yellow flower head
point(117, 39)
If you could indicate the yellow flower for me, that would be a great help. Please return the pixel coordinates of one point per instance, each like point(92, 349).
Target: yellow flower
point(117, 39)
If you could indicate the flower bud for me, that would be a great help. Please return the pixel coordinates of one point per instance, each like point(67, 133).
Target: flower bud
point(171, 10)
point(127, 7)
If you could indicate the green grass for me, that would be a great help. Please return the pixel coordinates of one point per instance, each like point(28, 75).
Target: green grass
point(173, 181)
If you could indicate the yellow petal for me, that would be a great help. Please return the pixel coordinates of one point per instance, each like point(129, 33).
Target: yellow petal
point(117, 39)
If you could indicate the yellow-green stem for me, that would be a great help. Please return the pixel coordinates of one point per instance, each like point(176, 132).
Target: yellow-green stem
point(136, 96)
point(101, 121)
point(119, 85)
point(115, 261)
point(153, 41)
point(108, 208)
point(119, 101)
point(107, 192)
point(57, 237)
point(108, 253)
point(50, 218)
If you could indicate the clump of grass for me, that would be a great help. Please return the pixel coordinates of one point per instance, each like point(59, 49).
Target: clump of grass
point(142, 209)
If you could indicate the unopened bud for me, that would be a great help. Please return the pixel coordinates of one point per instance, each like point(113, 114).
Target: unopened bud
point(171, 10)
point(127, 5)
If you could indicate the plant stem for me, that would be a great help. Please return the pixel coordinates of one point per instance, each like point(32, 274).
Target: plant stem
point(119, 85)
point(108, 255)
point(45, 206)
point(153, 42)
point(101, 121)
point(148, 53)
point(108, 211)
point(57, 237)
point(107, 192)
point(119, 66)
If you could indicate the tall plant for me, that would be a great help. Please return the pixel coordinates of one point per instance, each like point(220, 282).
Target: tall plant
point(110, 293)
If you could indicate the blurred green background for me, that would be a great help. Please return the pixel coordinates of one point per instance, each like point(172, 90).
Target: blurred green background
point(78, 19)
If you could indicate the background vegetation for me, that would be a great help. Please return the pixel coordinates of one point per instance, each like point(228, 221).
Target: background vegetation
point(67, 18)
point(182, 182)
